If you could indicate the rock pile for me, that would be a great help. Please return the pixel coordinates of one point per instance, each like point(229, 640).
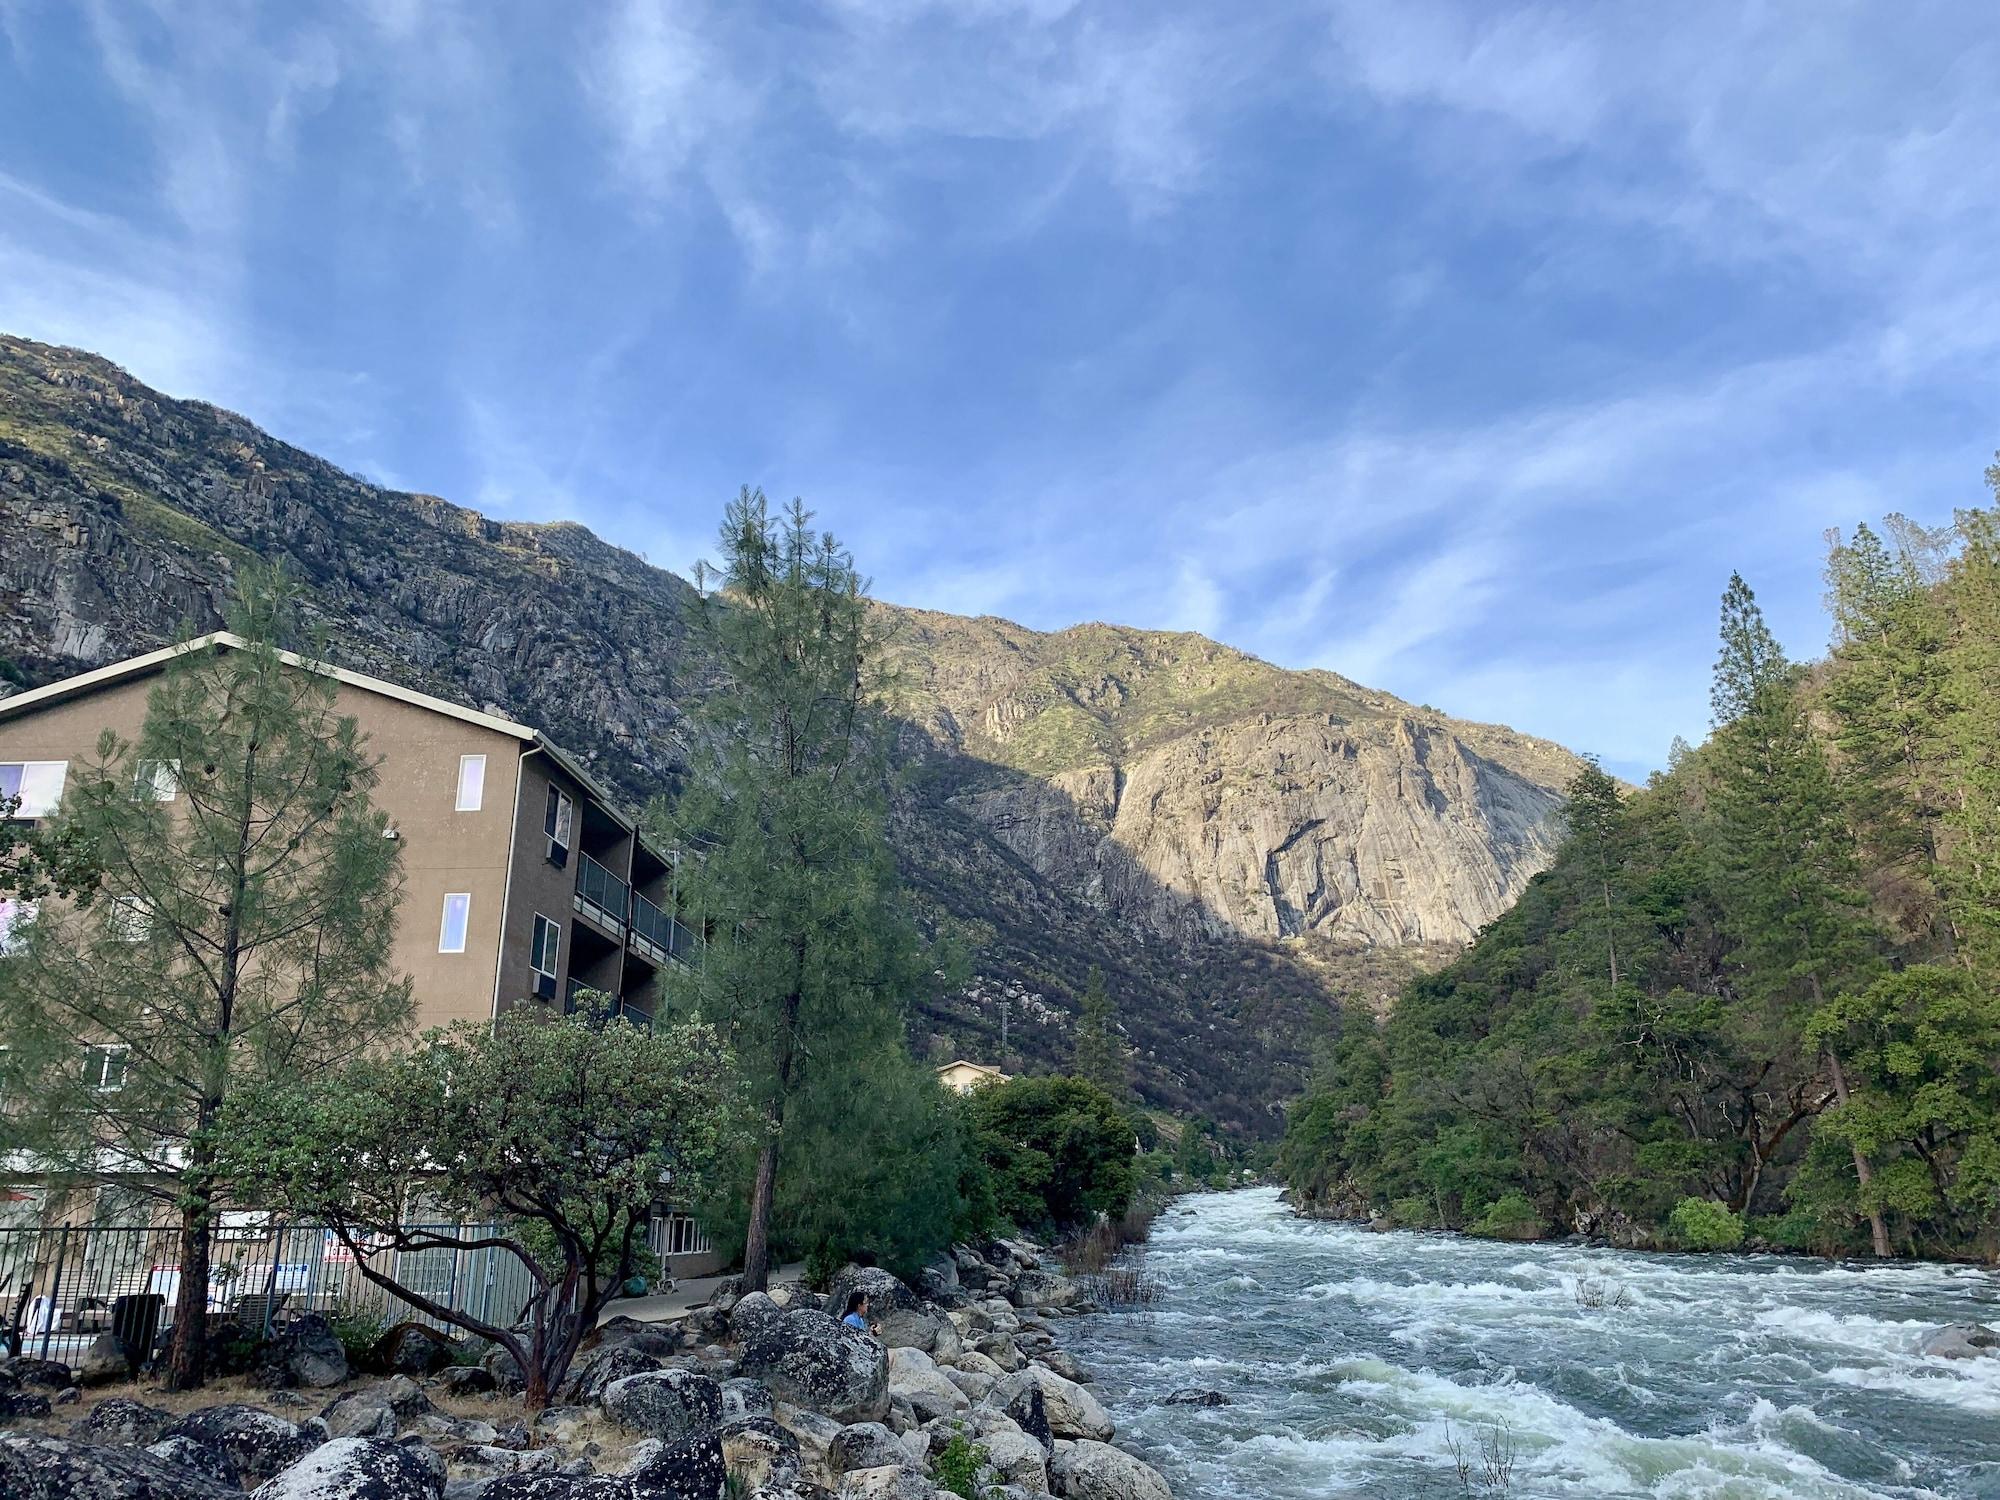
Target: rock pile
point(771, 1390)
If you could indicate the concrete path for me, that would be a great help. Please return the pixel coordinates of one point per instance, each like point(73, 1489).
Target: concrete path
point(686, 1295)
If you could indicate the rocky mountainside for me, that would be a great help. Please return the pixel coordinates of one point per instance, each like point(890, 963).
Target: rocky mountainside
point(1239, 847)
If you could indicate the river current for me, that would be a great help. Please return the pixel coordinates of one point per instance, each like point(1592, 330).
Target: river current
point(1353, 1360)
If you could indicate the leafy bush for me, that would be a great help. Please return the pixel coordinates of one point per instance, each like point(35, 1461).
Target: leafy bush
point(1058, 1150)
point(1509, 1217)
point(1414, 1212)
point(359, 1332)
point(956, 1467)
point(1704, 1224)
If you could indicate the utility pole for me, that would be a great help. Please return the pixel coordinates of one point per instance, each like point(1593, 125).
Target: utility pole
point(1005, 1006)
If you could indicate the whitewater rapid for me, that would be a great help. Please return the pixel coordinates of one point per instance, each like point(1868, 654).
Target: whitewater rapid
point(1351, 1361)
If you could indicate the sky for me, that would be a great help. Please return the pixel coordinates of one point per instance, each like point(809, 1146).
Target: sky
point(1462, 349)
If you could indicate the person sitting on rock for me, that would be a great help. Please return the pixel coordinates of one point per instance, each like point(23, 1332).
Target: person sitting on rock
point(856, 1316)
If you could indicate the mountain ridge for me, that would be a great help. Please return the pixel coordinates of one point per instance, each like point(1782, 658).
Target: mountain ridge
point(1240, 846)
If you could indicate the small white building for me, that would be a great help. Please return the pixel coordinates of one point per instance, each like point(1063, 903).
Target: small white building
point(963, 1077)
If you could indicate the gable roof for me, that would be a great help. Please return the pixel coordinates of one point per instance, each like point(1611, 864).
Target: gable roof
point(154, 661)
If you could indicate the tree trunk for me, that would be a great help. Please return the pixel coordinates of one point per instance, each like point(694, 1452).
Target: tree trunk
point(757, 1243)
point(187, 1354)
point(1877, 1229)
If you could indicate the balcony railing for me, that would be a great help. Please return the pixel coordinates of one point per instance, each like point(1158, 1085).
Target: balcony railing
point(659, 936)
point(600, 895)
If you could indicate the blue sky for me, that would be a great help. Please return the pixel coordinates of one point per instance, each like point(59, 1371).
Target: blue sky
point(1460, 348)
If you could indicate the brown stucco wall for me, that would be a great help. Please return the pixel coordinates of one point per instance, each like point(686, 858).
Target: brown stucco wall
point(443, 850)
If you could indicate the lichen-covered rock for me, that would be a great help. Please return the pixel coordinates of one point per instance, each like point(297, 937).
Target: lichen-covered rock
point(915, 1377)
point(1064, 1365)
point(864, 1445)
point(904, 1320)
point(809, 1360)
point(675, 1406)
point(1194, 1396)
point(38, 1374)
point(1072, 1411)
point(17, 1401)
point(1022, 1404)
point(198, 1456)
point(1044, 1289)
point(679, 1471)
point(594, 1372)
point(761, 1452)
point(744, 1397)
point(118, 1420)
point(893, 1482)
point(1086, 1470)
point(465, 1380)
point(356, 1468)
point(1017, 1459)
point(377, 1410)
point(258, 1442)
point(304, 1352)
point(52, 1468)
point(411, 1349)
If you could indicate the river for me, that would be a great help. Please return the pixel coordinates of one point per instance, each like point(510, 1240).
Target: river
point(1352, 1360)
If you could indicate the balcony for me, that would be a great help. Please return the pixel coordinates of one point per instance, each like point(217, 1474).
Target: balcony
point(600, 895)
point(657, 936)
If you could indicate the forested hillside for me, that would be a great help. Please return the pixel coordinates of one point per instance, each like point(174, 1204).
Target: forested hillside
point(1756, 998)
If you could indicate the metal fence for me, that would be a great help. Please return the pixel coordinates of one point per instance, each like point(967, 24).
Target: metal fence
point(59, 1284)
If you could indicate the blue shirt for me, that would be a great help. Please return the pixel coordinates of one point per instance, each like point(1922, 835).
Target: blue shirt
point(855, 1320)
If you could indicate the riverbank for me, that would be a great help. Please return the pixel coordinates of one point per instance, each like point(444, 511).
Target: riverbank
point(964, 1390)
point(1344, 1363)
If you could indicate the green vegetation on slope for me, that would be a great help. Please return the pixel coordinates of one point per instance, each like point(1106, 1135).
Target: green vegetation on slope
point(1764, 991)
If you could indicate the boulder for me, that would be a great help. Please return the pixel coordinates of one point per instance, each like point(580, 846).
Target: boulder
point(49, 1375)
point(377, 1410)
point(1017, 1459)
point(103, 1362)
point(1072, 1411)
point(465, 1380)
point(33, 1467)
point(810, 1360)
point(117, 1420)
point(761, 1452)
point(938, 1281)
point(742, 1397)
point(1044, 1289)
point(17, 1401)
point(550, 1487)
point(678, 1471)
point(864, 1445)
point(258, 1442)
point(1021, 1402)
point(755, 1314)
point(814, 1432)
point(1064, 1365)
point(411, 1349)
point(1001, 1349)
point(594, 1373)
point(976, 1386)
point(1960, 1341)
point(1194, 1396)
point(355, 1468)
point(1086, 1470)
point(974, 1363)
point(905, 1322)
point(210, 1461)
point(915, 1377)
point(654, 1338)
point(675, 1406)
point(891, 1482)
point(505, 1370)
point(304, 1352)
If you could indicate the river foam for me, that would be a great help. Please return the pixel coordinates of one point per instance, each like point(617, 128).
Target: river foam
point(1355, 1363)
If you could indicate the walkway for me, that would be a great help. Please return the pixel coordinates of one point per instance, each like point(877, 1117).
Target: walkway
point(686, 1296)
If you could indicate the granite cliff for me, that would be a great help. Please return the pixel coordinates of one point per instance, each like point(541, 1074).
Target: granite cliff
point(1242, 848)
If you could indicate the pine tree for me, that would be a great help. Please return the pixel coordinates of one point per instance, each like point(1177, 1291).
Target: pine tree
point(1591, 810)
point(1888, 692)
point(1785, 861)
point(1100, 1054)
point(812, 957)
point(231, 885)
point(1971, 856)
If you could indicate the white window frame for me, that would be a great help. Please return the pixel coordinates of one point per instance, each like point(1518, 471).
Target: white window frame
point(551, 953)
point(472, 803)
point(149, 785)
point(107, 1051)
point(465, 922)
point(560, 824)
point(40, 808)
